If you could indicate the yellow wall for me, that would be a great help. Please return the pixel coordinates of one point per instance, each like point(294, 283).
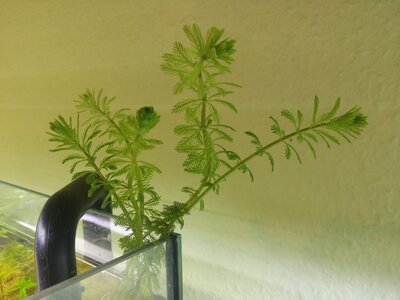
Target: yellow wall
point(328, 229)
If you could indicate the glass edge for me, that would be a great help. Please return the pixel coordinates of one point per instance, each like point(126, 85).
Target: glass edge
point(23, 188)
point(19, 231)
point(174, 267)
point(46, 195)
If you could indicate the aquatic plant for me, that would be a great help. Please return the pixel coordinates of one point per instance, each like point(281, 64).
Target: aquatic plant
point(17, 273)
point(108, 145)
point(17, 267)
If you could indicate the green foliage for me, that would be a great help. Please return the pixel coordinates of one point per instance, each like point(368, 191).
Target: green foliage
point(17, 267)
point(17, 274)
point(327, 128)
point(199, 68)
point(107, 145)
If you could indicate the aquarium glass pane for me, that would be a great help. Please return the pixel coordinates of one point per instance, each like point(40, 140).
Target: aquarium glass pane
point(97, 236)
point(140, 275)
point(20, 209)
point(153, 272)
point(17, 266)
point(96, 240)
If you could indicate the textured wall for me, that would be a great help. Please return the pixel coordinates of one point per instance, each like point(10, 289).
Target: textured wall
point(328, 229)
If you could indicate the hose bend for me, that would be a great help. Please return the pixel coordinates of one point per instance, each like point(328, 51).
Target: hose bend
point(56, 229)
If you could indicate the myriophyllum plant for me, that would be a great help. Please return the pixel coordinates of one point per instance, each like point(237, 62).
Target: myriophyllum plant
point(107, 145)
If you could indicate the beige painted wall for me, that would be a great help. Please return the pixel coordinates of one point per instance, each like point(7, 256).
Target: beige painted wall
point(328, 229)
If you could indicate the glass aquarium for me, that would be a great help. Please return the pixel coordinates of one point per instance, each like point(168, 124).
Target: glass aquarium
point(153, 272)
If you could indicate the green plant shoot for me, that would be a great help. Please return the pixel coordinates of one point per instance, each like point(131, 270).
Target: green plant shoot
point(108, 144)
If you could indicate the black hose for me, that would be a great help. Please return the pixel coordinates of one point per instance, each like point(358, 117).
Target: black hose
point(56, 229)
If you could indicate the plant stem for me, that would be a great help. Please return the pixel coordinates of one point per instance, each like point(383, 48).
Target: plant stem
point(138, 220)
point(103, 178)
point(140, 199)
point(205, 134)
point(201, 192)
